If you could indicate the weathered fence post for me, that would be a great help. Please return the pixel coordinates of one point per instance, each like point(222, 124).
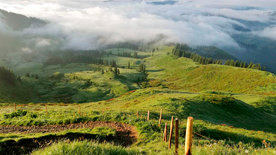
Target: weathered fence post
point(160, 118)
point(148, 115)
point(171, 133)
point(176, 135)
point(165, 133)
point(46, 109)
point(189, 136)
point(79, 110)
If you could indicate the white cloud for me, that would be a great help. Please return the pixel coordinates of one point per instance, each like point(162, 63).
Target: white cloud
point(26, 50)
point(42, 42)
point(269, 32)
point(87, 24)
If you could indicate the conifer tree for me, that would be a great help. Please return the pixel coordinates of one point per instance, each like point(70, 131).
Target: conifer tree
point(135, 55)
point(227, 62)
point(250, 65)
point(116, 71)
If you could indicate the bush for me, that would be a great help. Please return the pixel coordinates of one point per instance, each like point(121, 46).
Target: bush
point(18, 113)
point(57, 76)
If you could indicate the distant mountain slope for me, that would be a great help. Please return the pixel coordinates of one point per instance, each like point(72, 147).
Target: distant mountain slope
point(258, 49)
point(12, 37)
point(213, 52)
point(207, 51)
point(19, 22)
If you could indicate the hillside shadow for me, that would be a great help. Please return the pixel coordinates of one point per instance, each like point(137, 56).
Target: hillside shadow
point(229, 112)
point(153, 71)
point(234, 138)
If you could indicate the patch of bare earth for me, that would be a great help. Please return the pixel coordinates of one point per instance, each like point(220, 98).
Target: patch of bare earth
point(125, 135)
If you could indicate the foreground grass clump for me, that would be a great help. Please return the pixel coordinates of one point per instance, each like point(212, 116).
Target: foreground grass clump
point(85, 148)
point(221, 148)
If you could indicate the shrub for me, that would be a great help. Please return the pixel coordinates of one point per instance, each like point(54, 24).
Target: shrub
point(18, 113)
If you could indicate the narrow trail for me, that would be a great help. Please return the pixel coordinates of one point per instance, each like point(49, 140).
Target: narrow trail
point(125, 135)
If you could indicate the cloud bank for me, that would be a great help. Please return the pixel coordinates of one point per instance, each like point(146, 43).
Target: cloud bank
point(91, 24)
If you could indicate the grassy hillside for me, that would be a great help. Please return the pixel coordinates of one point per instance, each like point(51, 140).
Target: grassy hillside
point(184, 74)
point(12, 89)
point(234, 108)
point(229, 124)
point(18, 93)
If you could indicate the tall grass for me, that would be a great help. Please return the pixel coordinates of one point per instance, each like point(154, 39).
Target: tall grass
point(85, 148)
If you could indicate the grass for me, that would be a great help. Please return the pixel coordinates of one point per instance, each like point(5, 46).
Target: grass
point(85, 148)
point(184, 74)
point(98, 131)
point(149, 133)
point(72, 83)
point(233, 107)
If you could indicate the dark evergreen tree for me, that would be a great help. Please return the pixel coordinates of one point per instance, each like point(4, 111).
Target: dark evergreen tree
point(128, 65)
point(116, 71)
point(135, 55)
point(250, 65)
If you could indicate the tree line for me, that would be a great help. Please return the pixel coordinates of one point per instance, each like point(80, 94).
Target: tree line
point(90, 57)
point(124, 54)
point(183, 51)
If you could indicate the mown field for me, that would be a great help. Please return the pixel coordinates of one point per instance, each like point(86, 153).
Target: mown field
point(234, 109)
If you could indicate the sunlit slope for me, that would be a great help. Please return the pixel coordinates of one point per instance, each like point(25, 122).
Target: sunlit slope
point(184, 74)
point(215, 108)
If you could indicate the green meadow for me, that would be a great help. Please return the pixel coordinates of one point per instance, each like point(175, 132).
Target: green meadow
point(234, 109)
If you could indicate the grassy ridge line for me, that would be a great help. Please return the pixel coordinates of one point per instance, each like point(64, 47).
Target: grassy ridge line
point(184, 74)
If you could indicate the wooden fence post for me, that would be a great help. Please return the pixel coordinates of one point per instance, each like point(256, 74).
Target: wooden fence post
point(176, 135)
point(171, 133)
point(79, 110)
point(14, 107)
point(189, 136)
point(46, 109)
point(160, 118)
point(148, 115)
point(165, 133)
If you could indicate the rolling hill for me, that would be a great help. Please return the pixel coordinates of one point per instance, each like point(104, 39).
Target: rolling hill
point(233, 108)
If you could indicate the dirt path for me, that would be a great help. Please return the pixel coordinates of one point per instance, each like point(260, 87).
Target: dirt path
point(125, 135)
